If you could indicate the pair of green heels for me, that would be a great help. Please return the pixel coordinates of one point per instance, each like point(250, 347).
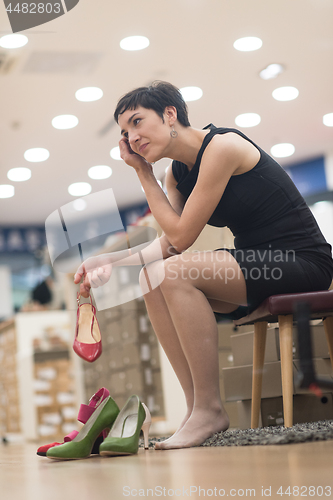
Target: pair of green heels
point(124, 430)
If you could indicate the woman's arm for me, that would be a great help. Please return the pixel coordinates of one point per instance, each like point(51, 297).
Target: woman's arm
point(97, 270)
point(176, 199)
point(222, 157)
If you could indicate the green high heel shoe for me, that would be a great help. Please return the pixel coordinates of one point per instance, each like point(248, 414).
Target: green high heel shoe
point(123, 438)
point(103, 418)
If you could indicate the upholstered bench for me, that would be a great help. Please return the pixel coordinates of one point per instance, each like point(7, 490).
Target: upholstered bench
point(279, 308)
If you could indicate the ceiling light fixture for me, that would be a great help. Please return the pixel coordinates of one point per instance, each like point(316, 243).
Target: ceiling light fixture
point(191, 93)
point(285, 93)
point(248, 44)
point(283, 150)
point(134, 43)
point(271, 71)
point(115, 153)
point(64, 122)
point(36, 154)
point(19, 174)
point(328, 120)
point(79, 205)
point(79, 188)
point(247, 120)
point(89, 94)
point(13, 41)
point(100, 172)
point(6, 191)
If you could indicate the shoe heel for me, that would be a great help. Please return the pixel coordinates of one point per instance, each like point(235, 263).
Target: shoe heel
point(145, 426)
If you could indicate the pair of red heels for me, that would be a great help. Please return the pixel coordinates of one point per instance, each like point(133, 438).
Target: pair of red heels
point(88, 341)
point(84, 414)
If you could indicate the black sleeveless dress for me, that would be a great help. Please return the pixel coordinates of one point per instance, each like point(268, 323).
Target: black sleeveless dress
point(278, 244)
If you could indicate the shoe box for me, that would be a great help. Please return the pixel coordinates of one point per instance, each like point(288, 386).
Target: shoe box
point(242, 345)
point(306, 408)
point(226, 329)
point(238, 379)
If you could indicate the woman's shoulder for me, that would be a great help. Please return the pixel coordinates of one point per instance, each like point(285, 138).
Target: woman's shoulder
point(228, 145)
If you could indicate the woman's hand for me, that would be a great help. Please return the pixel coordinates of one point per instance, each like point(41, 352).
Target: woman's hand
point(95, 272)
point(131, 158)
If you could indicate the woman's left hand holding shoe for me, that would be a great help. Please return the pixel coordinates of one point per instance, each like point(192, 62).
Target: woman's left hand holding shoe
point(96, 271)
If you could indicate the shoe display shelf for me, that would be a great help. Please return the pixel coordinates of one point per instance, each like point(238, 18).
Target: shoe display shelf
point(38, 383)
point(10, 422)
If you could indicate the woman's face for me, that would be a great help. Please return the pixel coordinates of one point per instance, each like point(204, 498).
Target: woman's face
point(147, 135)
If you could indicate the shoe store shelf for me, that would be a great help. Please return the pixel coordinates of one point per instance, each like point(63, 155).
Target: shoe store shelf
point(38, 382)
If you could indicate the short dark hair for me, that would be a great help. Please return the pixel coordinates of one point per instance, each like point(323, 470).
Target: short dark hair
point(157, 96)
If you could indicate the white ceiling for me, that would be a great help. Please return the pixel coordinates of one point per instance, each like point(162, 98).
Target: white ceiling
point(191, 43)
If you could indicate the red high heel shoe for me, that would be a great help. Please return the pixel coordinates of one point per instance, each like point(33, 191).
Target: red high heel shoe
point(88, 341)
point(84, 414)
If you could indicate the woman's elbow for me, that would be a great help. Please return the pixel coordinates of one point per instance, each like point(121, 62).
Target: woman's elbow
point(180, 243)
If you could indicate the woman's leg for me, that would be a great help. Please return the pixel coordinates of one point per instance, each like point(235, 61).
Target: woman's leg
point(165, 331)
point(192, 280)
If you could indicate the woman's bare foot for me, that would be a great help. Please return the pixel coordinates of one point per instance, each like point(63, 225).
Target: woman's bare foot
point(187, 416)
point(200, 426)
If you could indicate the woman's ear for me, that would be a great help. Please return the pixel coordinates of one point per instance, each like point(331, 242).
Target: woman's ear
point(170, 113)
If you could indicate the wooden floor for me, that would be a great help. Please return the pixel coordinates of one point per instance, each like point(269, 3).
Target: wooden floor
point(229, 471)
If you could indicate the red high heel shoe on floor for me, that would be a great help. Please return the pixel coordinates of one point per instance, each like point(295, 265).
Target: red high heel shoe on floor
point(88, 341)
point(84, 414)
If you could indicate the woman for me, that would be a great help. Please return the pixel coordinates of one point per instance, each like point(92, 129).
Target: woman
point(219, 177)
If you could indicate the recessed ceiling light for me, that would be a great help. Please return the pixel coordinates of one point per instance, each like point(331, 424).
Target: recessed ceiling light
point(247, 120)
point(19, 174)
point(63, 122)
point(13, 41)
point(115, 153)
point(328, 120)
point(248, 43)
point(272, 71)
point(285, 93)
point(89, 94)
point(79, 205)
point(283, 150)
point(79, 189)
point(134, 43)
point(6, 191)
point(99, 172)
point(191, 93)
point(36, 154)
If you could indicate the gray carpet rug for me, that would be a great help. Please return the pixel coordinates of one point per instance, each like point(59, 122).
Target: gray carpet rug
point(299, 433)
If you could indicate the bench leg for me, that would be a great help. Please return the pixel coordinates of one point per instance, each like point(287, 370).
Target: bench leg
point(259, 343)
point(286, 351)
point(328, 327)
